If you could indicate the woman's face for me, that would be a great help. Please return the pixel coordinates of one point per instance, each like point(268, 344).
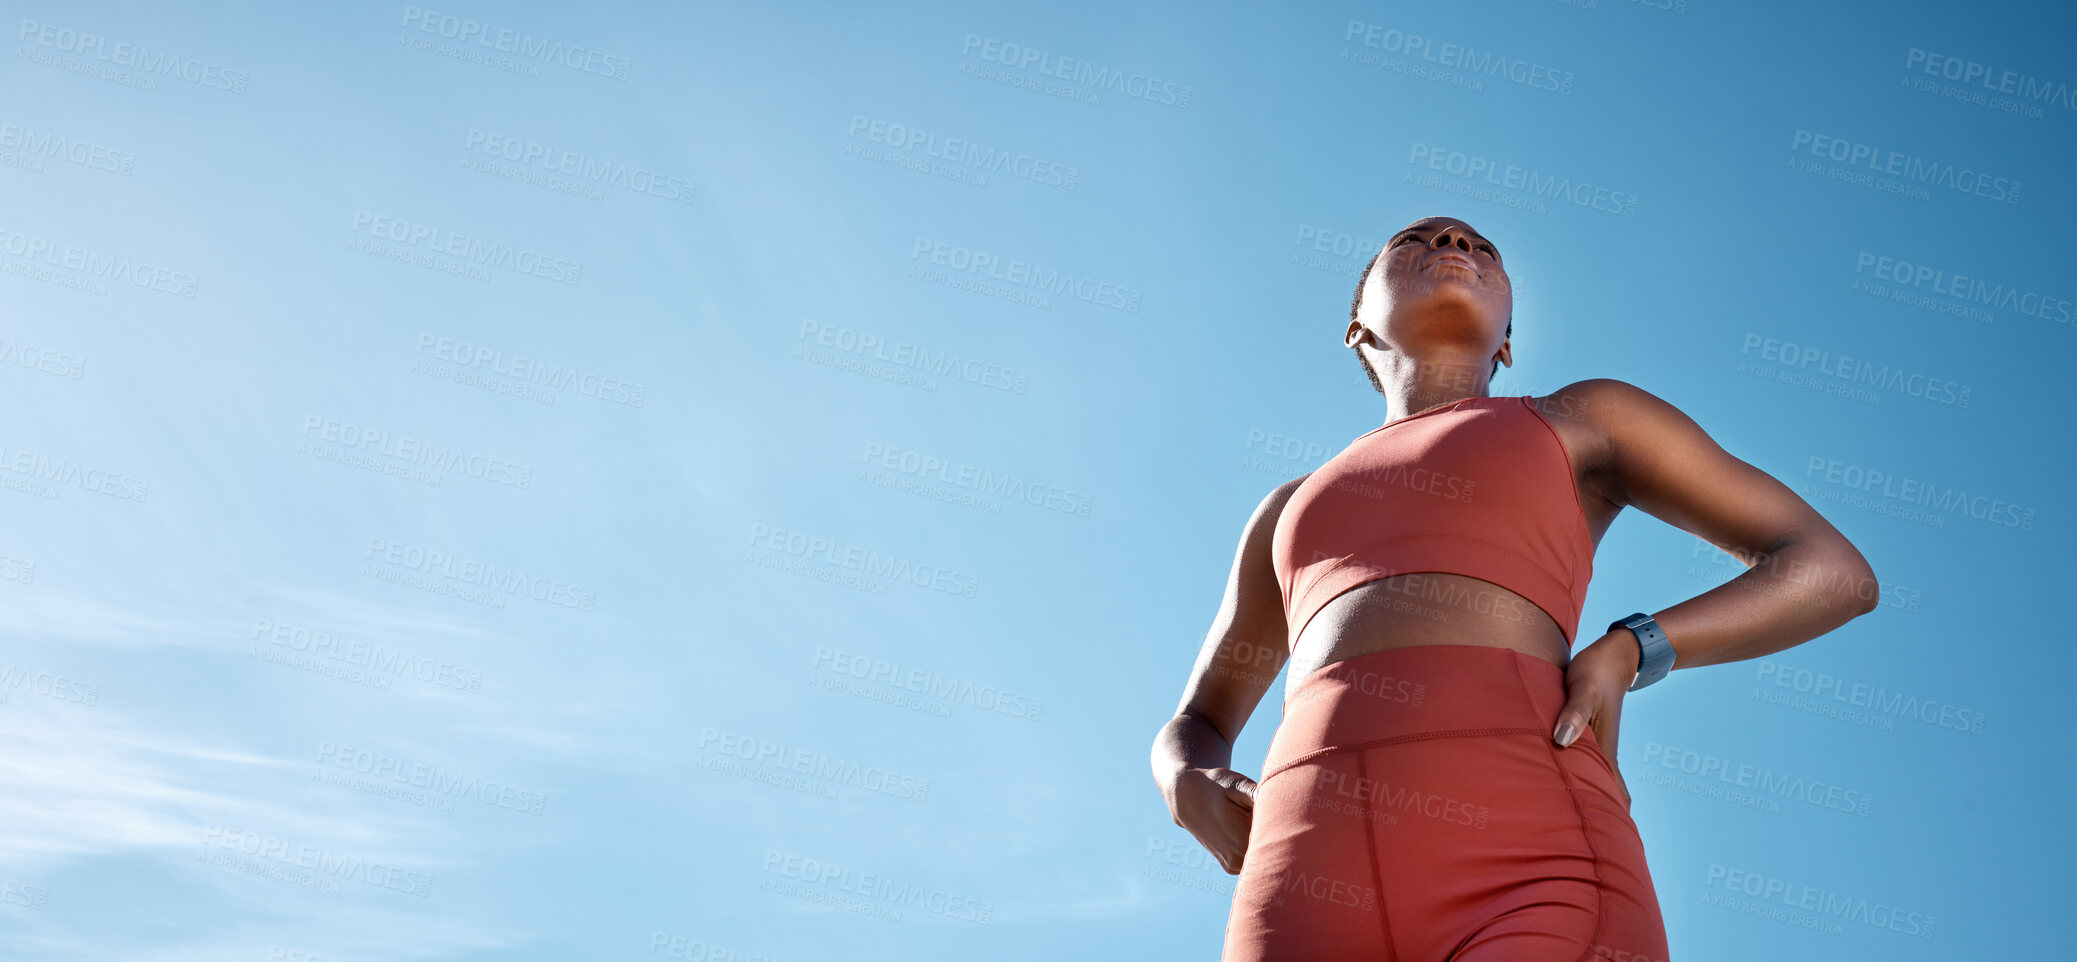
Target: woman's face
point(1439, 280)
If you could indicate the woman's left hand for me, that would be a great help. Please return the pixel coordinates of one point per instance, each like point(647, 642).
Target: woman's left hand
point(1595, 682)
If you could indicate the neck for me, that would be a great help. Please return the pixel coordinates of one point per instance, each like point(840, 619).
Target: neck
point(1414, 386)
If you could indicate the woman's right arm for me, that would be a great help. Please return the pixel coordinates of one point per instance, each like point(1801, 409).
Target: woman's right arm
point(1245, 649)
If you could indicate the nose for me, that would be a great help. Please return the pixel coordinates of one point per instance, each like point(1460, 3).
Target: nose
point(1450, 237)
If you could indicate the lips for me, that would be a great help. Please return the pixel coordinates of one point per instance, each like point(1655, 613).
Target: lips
point(1452, 257)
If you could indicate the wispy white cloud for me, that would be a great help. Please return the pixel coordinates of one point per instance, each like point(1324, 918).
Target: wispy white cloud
point(47, 615)
point(88, 788)
point(89, 781)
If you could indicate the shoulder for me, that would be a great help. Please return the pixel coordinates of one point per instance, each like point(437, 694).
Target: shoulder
point(1626, 422)
point(1598, 417)
point(1608, 406)
point(1597, 397)
point(1282, 492)
point(1273, 503)
point(1262, 524)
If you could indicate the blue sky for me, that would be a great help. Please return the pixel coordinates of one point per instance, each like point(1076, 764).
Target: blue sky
point(489, 481)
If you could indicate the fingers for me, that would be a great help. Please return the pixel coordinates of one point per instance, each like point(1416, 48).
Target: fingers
point(1242, 791)
point(1218, 810)
point(1604, 732)
point(1572, 719)
point(1233, 844)
point(1608, 718)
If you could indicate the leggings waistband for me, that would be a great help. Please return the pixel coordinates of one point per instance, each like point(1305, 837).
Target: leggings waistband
point(1420, 691)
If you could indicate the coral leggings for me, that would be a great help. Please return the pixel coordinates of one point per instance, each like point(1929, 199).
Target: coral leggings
point(1413, 808)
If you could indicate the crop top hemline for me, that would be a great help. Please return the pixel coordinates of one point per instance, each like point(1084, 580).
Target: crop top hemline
point(1566, 620)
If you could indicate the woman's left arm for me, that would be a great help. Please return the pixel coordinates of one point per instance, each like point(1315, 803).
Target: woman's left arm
point(1803, 578)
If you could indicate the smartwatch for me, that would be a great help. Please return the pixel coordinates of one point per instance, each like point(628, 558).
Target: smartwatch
point(1657, 652)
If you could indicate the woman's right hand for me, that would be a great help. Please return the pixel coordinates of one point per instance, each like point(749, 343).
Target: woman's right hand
point(1217, 806)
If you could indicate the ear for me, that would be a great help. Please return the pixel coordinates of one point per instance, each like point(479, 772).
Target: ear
point(1506, 353)
point(1355, 335)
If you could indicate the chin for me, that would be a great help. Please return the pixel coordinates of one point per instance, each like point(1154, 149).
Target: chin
point(1455, 294)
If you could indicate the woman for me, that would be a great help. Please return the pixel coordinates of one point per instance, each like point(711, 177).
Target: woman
point(1442, 784)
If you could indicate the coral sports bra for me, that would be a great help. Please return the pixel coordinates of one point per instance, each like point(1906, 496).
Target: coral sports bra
point(1479, 486)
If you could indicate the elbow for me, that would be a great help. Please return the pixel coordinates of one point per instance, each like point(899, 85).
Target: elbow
point(1834, 575)
point(1867, 588)
point(1868, 601)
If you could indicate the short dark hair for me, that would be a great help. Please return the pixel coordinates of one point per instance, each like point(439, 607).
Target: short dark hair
point(1356, 308)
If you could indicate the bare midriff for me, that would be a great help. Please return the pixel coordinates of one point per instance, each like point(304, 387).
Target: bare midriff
point(1425, 608)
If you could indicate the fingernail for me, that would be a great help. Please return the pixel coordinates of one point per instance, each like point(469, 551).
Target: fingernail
point(1566, 732)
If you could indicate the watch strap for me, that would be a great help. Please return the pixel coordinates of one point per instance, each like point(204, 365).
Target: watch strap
point(1655, 657)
